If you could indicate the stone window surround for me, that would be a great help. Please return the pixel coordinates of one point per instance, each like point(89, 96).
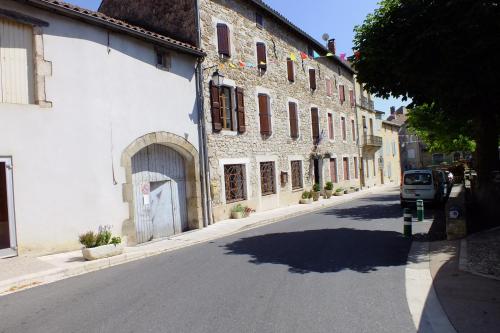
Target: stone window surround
point(246, 174)
point(308, 88)
point(293, 100)
point(311, 106)
point(42, 68)
point(301, 159)
point(215, 40)
point(265, 91)
point(334, 155)
point(343, 115)
point(351, 122)
point(268, 158)
point(260, 40)
point(329, 111)
point(232, 85)
point(349, 157)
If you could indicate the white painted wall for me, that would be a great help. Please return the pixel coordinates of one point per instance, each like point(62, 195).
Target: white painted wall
point(102, 102)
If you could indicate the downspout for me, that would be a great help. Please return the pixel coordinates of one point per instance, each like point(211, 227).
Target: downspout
point(204, 166)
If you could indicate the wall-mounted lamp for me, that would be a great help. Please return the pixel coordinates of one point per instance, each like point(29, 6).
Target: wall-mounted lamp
point(217, 78)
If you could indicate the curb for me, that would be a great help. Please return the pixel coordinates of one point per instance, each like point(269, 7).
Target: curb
point(56, 274)
point(425, 308)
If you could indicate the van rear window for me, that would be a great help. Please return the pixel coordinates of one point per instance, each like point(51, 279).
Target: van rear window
point(418, 179)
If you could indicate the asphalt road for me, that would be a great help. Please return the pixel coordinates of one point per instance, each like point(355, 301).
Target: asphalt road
point(338, 270)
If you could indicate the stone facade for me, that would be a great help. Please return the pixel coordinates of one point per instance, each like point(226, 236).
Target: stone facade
point(251, 148)
point(391, 153)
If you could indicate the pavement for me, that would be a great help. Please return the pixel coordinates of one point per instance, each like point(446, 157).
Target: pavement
point(339, 269)
point(25, 272)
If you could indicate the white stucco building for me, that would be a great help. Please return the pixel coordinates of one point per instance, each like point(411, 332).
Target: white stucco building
point(98, 126)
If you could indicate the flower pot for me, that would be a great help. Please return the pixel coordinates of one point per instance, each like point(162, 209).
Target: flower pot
point(237, 215)
point(346, 191)
point(338, 194)
point(328, 193)
point(306, 201)
point(104, 251)
point(316, 196)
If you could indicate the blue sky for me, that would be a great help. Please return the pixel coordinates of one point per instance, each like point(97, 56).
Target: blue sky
point(335, 17)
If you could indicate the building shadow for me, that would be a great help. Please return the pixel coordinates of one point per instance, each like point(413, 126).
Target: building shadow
point(325, 250)
point(367, 213)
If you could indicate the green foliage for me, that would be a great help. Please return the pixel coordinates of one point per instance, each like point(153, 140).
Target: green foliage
point(340, 189)
point(91, 239)
point(329, 186)
point(316, 187)
point(239, 208)
point(116, 240)
point(88, 239)
point(306, 195)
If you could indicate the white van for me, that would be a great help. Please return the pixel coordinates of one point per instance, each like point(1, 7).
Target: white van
point(420, 185)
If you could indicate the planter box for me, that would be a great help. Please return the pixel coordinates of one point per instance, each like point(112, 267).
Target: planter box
point(101, 252)
point(338, 194)
point(306, 201)
point(328, 193)
point(316, 196)
point(237, 215)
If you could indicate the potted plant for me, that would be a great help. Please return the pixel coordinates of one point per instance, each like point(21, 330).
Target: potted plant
point(339, 192)
point(101, 244)
point(306, 197)
point(346, 191)
point(248, 211)
point(328, 190)
point(238, 212)
point(316, 192)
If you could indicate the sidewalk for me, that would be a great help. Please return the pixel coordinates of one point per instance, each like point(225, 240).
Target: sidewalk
point(24, 272)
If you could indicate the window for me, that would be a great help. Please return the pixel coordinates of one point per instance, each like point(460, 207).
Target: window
point(331, 134)
point(344, 133)
point(226, 108)
point(223, 41)
point(290, 70)
point(346, 168)
point(267, 179)
point(259, 20)
point(353, 127)
point(329, 87)
point(315, 123)
point(16, 63)
point(418, 179)
point(351, 98)
point(333, 170)
point(163, 59)
point(312, 79)
point(356, 169)
point(294, 120)
point(261, 57)
point(367, 169)
point(264, 115)
point(234, 180)
point(394, 148)
point(341, 94)
point(296, 175)
point(374, 168)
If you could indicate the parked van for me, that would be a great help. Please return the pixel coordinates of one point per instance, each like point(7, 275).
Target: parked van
point(421, 184)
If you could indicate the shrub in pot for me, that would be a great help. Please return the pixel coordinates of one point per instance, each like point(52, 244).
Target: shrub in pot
point(306, 197)
point(316, 192)
point(339, 192)
point(238, 211)
point(328, 190)
point(101, 244)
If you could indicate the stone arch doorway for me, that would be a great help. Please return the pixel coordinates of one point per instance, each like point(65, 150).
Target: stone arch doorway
point(162, 187)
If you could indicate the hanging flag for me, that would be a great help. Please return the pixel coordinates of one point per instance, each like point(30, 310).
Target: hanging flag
point(250, 65)
point(315, 55)
point(232, 65)
point(342, 56)
point(293, 57)
point(329, 54)
point(303, 56)
point(241, 63)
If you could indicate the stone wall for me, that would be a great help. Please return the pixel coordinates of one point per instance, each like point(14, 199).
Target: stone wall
point(251, 148)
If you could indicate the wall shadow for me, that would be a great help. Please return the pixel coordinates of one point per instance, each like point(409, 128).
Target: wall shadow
point(325, 250)
point(367, 212)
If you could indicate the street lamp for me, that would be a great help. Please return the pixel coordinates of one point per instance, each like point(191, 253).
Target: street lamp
point(217, 78)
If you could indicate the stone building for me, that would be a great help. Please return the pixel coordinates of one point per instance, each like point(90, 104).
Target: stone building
point(390, 163)
point(87, 130)
point(278, 118)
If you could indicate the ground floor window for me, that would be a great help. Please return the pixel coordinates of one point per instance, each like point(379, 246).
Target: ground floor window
point(296, 175)
point(333, 170)
point(267, 178)
point(234, 178)
point(346, 168)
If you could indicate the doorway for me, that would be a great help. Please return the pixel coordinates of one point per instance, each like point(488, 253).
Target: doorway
point(8, 245)
point(317, 179)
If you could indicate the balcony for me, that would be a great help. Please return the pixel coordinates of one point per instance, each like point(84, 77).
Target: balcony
point(372, 141)
point(367, 103)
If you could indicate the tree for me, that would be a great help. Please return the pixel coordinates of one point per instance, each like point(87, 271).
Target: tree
point(442, 53)
point(442, 134)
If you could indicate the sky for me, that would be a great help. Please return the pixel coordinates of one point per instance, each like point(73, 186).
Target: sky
point(337, 18)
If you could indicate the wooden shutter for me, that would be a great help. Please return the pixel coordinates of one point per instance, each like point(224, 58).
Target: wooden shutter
point(264, 115)
point(344, 135)
point(312, 78)
point(240, 108)
point(294, 121)
point(341, 94)
point(223, 40)
point(353, 131)
point(315, 123)
point(333, 170)
point(215, 107)
point(290, 69)
point(346, 169)
point(330, 126)
point(261, 56)
point(351, 97)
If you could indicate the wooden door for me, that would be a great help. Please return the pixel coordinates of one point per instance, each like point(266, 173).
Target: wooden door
point(333, 170)
point(346, 169)
point(8, 245)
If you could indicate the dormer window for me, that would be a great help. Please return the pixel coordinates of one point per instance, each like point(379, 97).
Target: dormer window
point(162, 59)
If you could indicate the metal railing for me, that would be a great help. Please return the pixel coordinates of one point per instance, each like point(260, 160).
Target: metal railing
point(367, 104)
point(372, 140)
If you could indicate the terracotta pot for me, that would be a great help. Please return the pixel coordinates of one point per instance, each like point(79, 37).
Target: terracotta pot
point(101, 252)
point(328, 193)
point(316, 196)
point(306, 201)
point(237, 215)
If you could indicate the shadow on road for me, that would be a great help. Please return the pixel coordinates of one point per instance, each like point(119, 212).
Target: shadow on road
point(325, 250)
point(367, 212)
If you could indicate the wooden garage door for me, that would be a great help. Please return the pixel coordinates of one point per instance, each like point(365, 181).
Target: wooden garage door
point(158, 176)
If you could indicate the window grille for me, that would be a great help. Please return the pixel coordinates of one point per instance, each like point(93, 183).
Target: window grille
point(296, 175)
point(235, 182)
point(267, 178)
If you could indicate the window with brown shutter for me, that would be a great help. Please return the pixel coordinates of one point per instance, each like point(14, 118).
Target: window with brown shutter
point(264, 115)
point(294, 120)
point(353, 130)
point(315, 123)
point(226, 108)
point(223, 40)
point(215, 107)
point(329, 89)
point(312, 79)
point(333, 170)
point(240, 108)
point(331, 134)
point(346, 168)
point(351, 97)
point(290, 69)
point(344, 134)
point(261, 56)
point(341, 94)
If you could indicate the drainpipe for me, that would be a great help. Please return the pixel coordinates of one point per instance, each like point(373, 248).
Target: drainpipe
point(204, 166)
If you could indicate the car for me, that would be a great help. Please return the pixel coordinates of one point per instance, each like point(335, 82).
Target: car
point(444, 184)
point(421, 184)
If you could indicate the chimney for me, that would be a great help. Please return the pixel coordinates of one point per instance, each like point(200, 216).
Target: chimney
point(331, 46)
point(393, 110)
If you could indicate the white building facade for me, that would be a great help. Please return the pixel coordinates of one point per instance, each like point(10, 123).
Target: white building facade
point(98, 126)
